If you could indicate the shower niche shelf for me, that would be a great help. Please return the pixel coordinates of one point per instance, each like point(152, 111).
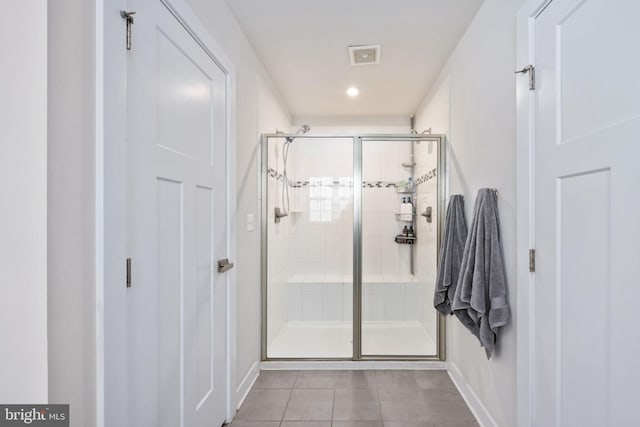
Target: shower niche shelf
point(405, 240)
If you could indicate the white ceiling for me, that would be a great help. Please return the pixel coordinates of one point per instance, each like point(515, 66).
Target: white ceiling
point(303, 45)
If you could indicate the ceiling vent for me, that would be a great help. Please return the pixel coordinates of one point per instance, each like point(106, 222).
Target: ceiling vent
point(364, 55)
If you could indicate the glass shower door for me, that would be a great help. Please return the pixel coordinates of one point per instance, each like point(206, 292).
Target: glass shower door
point(309, 247)
point(399, 248)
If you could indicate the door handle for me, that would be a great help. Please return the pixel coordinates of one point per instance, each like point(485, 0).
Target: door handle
point(224, 265)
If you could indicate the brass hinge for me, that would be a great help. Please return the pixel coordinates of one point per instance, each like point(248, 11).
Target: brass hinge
point(532, 260)
point(532, 75)
point(128, 272)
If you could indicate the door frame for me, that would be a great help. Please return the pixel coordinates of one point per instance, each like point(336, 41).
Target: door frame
point(526, 118)
point(442, 197)
point(110, 202)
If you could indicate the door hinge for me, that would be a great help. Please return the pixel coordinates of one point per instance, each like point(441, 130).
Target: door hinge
point(532, 260)
point(532, 75)
point(128, 272)
point(128, 16)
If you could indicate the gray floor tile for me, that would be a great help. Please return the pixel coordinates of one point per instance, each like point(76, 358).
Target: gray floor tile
point(316, 379)
point(356, 405)
point(310, 405)
point(357, 424)
point(398, 404)
point(253, 424)
point(306, 424)
point(393, 398)
point(396, 379)
point(356, 379)
point(276, 379)
point(446, 406)
point(434, 380)
point(406, 424)
point(264, 405)
point(430, 424)
point(453, 424)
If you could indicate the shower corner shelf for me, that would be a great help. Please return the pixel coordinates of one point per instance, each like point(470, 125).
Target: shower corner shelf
point(405, 240)
point(405, 217)
point(403, 190)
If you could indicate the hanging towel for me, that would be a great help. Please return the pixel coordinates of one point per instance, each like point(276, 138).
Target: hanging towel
point(480, 301)
point(451, 249)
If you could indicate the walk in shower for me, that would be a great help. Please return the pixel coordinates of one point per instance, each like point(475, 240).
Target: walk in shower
point(350, 234)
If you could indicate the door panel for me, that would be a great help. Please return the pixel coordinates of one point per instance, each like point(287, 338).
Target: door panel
point(177, 225)
point(204, 320)
point(588, 117)
point(583, 205)
point(169, 292)
point(184, 101)
point(586, 50)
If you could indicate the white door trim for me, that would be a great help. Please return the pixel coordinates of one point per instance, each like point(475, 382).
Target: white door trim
point(106, 215)
point(526, 101)
point(99, 242)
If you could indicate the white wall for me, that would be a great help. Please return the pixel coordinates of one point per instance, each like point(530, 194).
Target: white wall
point(71, 273)
point(473, 101)
point(251, 97)
point(23, 191)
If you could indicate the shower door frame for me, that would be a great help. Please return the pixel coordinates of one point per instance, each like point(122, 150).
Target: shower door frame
point(357, 140)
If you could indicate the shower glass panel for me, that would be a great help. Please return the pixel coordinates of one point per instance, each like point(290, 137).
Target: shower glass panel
point(399, 247)
point(309, 247)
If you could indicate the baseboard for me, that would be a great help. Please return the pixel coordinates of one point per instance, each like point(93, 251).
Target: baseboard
point(473, 402)
point(353, 365)
point(247, 382)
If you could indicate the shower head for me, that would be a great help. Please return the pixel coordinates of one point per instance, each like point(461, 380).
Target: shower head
point(303, 129)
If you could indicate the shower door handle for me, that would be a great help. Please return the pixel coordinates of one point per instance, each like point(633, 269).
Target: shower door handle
point(224, 265)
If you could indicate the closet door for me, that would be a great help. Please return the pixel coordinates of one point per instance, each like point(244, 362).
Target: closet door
point(177, 225)
point(585, 296)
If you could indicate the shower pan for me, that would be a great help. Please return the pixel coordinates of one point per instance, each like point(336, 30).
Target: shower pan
point(351, 229)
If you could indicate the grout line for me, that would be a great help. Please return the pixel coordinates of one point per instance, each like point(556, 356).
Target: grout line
point(289, 399)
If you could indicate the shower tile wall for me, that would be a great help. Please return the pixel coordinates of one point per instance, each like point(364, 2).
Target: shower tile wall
point(320, 285)
point(280, 235)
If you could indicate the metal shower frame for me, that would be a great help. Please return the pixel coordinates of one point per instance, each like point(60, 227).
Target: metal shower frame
point(357, 140)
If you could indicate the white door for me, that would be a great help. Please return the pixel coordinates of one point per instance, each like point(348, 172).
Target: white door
point(176, 225)
point(586, 338)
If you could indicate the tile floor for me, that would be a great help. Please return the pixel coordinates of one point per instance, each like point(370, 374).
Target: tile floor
point(354, 399)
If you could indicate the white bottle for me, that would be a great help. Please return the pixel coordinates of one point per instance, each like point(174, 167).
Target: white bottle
point(406, 209)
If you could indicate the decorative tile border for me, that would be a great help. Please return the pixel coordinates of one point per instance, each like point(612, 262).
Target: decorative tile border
point(348, 183)
point(433, 173)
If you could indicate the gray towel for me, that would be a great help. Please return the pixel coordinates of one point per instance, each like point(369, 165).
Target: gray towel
point(451, 249)
point(480, 301)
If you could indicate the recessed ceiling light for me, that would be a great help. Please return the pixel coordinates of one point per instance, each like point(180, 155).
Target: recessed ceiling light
point(353, 91)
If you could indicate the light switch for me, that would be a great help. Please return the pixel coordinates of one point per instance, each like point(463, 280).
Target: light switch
point(251, 222)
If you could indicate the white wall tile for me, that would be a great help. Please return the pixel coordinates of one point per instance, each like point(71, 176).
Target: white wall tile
point(332, 306)
point(312, 307)
point(373, 307)
point(294, 307)
point(394, 307)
